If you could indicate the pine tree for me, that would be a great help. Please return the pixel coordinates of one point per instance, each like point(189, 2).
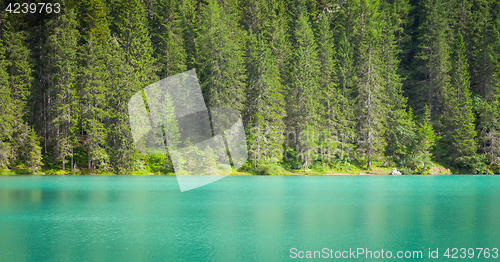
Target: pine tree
point(482, 54)
point(432, 61)
point(331, 98)
point(426, 132)
point(402, 132)
point(129, 67)
point(130, 26)
point(425, 142)
point(458, 139)
point(302, 104)
point(92, 84)
point(371, 113)
point(460, 15)
point(166, 38)
point(19, 70)
point(24, 141)
point(6, 111)
point(61, 49)
point(346, 76)
point(221, 53)
point(190, 30)
point(265, 107)
point(121, 78)
point(489, 128)
point(19, 143)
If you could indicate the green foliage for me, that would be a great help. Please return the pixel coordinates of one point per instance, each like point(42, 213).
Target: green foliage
point(302, 105)
point(458, 144)
point(166, 38)
point(265, 107)
point(270, 167)
point(6, 111)
point(221, 56)
point(320, 84)
point(431, 64)
point(61, 66)
point(18, 142)
point(130, 26)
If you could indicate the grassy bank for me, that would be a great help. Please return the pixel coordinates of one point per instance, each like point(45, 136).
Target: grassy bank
point(272, 169)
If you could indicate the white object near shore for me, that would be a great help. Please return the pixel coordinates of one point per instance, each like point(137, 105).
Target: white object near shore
point(395, 172)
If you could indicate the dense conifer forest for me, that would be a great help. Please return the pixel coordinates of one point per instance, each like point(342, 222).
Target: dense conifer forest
point(325, 85)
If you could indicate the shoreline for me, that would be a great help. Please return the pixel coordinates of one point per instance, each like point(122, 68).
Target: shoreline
point(297, 173)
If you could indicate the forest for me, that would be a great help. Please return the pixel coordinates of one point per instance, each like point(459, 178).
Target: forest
point(322, 85)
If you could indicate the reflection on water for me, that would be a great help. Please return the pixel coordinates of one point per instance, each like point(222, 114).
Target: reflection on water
point(241, 218)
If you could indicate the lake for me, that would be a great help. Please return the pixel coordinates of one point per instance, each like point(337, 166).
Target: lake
point(249, 218)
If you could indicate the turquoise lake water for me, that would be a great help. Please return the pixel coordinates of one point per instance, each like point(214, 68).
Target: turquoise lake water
point(125, 218)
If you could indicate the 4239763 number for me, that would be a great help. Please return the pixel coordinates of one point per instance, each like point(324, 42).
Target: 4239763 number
point(17, 8)
point(471, 253)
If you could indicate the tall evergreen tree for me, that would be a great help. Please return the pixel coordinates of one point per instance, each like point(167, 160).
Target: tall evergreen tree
point(331, 98)
point(346, 77)
point(166, 38)
point(279, 41)
point(61, 50)
point(432, 61)
point(401, 132)
point(130, 25)
point(92, 83)
point(371, 113)
point(25, 148)
point(130, 67)
point(221, 53)
point(482, 54)
point(458, 139)
point(265, 107)
point(302, 104)
point(122, 81)
point(189, 10)
point(6, 111)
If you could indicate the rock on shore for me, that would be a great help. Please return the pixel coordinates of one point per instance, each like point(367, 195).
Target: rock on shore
point(395, 172)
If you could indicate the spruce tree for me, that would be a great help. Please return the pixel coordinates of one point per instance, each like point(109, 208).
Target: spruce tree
point(122, 83)
point(221, 54)
point(278, 39)
point(93, 88)
point(190, 23)
point(401, 131)
point(6, 111)
point(61, 50)
point(481, 50)
point(265, 107)
point(331, 98)
point(371, 113)
point(425, 142)
point(129, 68)
point(130, 26)
point(302, 104)
point(24, 144)
point(166, 38)
point(459, 17)
point(346, 77)
point(458, 139)
point(432, 61)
